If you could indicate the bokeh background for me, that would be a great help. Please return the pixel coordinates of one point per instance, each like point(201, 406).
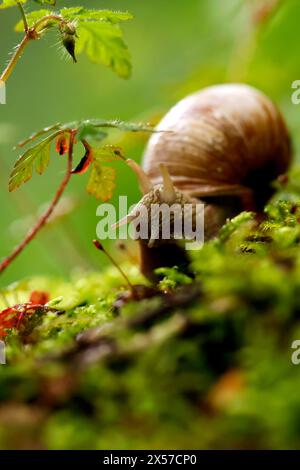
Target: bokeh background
point(177, 47)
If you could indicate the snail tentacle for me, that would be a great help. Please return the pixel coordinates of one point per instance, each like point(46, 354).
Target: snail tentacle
point(168, 193)
point(144, 180)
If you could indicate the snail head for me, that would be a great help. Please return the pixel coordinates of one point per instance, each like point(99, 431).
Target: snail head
point(154, 196)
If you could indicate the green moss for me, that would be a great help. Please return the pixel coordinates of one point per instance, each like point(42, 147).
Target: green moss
point(204, 364)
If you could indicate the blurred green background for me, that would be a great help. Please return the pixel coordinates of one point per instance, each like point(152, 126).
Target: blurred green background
point(177, 47)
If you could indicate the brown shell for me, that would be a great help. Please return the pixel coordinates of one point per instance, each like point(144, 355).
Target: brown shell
point(222, 139)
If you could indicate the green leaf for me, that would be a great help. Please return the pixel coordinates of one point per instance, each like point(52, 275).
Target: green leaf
point(90, 128)
point(31, 19)
point(40, 133)
point(101, 182)
point(114, 124)
point(10, 3)
point(107, 153)
point(36, 157)
point(87, 131)
point(126, 126)
point(13, 3)
point(82, 14)
point(103, 44)
point(46, 2)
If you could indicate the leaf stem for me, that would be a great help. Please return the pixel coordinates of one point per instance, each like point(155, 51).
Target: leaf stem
point(45, 216)
point(30, 33)
point(23, 17)
point(46, 19)
point(16, 56)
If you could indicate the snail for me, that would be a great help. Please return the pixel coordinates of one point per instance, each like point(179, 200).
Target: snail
point(223, 146)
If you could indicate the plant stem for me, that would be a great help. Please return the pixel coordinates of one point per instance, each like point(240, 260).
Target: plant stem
point(20, 48)
point(23, 17)
point(47, 19)
point(44, 218)
point(16, 56)
point(30, 33)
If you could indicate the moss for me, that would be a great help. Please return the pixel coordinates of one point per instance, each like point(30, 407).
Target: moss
point(205, 363)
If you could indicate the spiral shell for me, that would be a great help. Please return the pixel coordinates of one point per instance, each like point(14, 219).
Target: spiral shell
point(219, 141)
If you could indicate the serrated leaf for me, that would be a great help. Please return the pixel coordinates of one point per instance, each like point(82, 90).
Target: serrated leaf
point(103, 44)
point(10, 3)
point(90, 128)
point(101, 182)
point(69, 13)
point(36, 157)
point(31, 19)
point(129, 126)
point(40, 133)
point(107, 153)
point(114, 124)
point(82, 14)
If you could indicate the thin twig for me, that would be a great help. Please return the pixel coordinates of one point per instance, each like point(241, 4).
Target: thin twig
point(30, 34)
point(16, 56)
point(44, 218)
point(38, 25)
point(23, 17)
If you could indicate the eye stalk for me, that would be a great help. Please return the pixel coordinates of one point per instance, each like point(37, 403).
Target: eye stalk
point(168, 193)
point(144, 181)
point(162, 193)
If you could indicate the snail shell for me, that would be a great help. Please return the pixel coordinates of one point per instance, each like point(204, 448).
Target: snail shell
point(224, 140)
point(223, 145)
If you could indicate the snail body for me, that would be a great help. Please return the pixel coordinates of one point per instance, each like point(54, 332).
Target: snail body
point(222, 146)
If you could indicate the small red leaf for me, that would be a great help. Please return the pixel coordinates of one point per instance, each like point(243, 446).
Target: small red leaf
point(7, 321)
point(39, 297)
point(83, 164)
point(13, 316)
point(62, 144)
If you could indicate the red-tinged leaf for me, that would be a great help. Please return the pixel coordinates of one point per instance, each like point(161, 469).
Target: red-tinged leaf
point(13, 317)
point(101, 182)
point(20, 315)
point(62, 144)
point(39, 297)
point(83, 164)
point(7, 321)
